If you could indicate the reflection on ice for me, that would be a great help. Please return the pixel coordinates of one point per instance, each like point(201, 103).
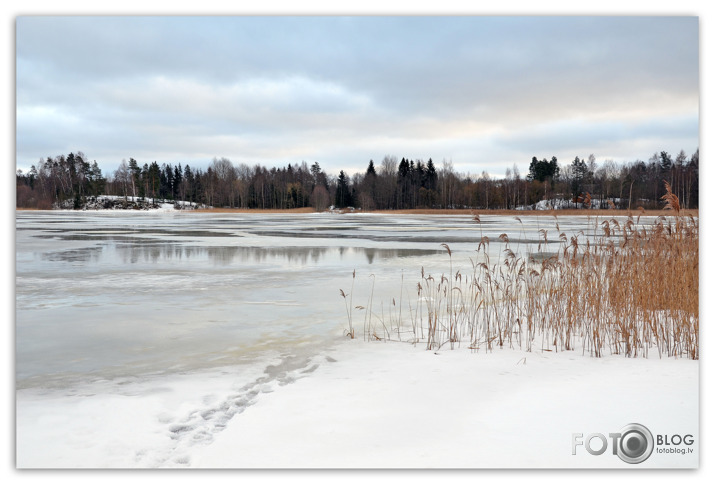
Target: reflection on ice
point(154, 252)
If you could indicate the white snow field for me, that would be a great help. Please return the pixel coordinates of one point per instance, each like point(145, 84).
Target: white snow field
point(368, 405)
point(181, 340)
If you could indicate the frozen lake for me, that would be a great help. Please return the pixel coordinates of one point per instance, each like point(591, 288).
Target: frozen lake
point(113, 295)
point(141, 337)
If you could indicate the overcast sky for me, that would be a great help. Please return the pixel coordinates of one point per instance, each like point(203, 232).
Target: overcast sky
point(483, 92)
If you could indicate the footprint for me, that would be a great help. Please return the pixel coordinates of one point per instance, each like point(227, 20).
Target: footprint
point(201, 425)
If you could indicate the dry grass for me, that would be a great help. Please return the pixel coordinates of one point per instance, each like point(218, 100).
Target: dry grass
point(350, 332)
point(633, 292)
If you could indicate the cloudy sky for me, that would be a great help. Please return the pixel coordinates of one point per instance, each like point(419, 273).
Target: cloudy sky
point(483, 92)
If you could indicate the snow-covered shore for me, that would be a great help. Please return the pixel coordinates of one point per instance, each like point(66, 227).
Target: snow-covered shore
point(129, 203)
point(368, 405)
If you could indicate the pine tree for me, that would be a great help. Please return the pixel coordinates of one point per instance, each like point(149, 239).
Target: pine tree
point(370, 169)
point(176, 186)
point(342, 194)
point(579, 170)
point(431, 176)
point(135, 173)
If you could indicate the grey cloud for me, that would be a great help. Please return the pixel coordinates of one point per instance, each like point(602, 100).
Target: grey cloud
point(302, 86)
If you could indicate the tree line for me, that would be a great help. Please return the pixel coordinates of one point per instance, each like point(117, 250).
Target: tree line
point(393, 184)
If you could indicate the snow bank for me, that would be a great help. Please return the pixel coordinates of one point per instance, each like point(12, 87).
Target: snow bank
point(559, 204)
point(394, 406)
point(115, 202)
point(367, 405)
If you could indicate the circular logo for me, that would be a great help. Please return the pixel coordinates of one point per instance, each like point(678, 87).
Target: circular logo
point(636, 443)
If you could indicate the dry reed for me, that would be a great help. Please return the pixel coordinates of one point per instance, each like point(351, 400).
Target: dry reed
point(633, 291)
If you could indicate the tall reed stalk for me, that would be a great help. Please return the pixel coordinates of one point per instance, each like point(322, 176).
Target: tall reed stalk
point(629, 289)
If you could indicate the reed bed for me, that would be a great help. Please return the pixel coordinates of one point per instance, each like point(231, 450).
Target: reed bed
point(633, 291)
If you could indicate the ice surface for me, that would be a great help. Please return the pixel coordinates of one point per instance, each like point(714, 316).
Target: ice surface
point(172, 339)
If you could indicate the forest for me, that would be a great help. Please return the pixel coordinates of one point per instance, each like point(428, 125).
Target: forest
point(69, 180)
